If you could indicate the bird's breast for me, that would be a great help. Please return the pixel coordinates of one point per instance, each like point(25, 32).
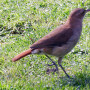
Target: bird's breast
point(68, 46)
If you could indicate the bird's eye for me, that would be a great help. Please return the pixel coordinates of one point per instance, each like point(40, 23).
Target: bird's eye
point(83, 11)
point(80, 12)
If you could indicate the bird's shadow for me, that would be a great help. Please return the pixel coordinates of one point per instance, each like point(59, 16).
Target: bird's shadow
point(79, 79)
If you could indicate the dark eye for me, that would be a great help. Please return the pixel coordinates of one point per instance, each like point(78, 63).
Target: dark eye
point(83, 11)
point(80, 12)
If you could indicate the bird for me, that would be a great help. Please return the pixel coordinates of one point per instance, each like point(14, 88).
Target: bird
point(60, 41)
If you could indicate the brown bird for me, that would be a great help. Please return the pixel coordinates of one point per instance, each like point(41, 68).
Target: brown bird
point(60, 41)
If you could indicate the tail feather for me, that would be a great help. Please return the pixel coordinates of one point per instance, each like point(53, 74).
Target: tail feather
point(21, 55)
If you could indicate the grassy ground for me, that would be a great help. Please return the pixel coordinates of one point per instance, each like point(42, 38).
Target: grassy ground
point(23, 22)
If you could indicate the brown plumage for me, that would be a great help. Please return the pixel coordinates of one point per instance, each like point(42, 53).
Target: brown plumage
point(61, 40)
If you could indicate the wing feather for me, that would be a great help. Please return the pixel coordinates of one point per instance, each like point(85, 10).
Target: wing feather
point(57, 37)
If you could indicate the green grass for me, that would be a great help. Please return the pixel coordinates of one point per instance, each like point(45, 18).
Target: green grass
point(23, 22)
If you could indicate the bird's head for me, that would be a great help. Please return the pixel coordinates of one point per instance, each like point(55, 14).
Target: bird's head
point(76, 16)
point(79, 13)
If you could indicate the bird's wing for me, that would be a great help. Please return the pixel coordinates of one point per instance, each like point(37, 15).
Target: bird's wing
point(57, 37)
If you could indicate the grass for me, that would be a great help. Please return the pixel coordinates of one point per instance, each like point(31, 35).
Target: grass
point(23, 22)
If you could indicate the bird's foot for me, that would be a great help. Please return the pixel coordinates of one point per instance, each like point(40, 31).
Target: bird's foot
point(53, 63)
point(52, 70)
point(50, 64)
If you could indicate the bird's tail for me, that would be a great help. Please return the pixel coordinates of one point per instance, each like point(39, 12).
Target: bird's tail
point(21, 55)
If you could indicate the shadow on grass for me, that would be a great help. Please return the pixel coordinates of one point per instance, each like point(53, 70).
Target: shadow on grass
point(80, 79)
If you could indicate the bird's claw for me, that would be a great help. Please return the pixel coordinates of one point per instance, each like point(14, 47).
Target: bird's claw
point(51, 64)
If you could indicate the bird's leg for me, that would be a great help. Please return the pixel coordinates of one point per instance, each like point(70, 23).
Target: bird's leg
point(59, 62)
point(50, 64)
point(53, 63)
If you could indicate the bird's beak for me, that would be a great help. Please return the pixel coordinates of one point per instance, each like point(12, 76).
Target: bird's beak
point(87, 10)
